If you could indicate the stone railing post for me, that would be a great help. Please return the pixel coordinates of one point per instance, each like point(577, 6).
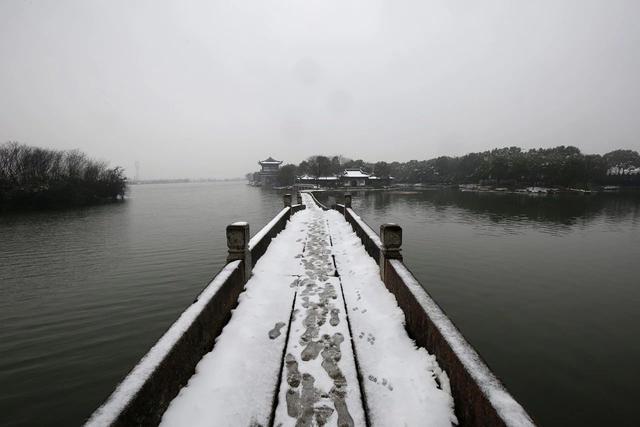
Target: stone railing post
point(286, 199)
point(238, 243)
point(347, 202)
point(299, 198)
point(391, 237)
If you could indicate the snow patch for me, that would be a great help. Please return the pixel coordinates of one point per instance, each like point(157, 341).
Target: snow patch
point(368, 230)
point(235, 383)
point(260, 234)
point(399, 378)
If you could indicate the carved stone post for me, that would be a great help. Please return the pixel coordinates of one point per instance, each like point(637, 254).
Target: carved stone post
point(391, 237)
point(286, 199)
point(238, 243)
point(347, 202)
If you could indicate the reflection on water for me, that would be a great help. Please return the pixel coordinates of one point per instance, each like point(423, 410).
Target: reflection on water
point(85, 293)
point(546, 288)
point(561, 210)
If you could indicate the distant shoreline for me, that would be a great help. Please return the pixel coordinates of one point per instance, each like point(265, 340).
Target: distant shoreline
point(181, 181)
point(477, 188)
point(34, 178)
point(56, 206)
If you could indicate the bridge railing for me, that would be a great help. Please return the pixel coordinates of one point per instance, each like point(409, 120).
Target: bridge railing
point(145, 393)
point(479, 396)
point(322, 205)
point(260, 241)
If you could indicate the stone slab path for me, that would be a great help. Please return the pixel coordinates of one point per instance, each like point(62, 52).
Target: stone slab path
point(320, 381)
point(315, 340)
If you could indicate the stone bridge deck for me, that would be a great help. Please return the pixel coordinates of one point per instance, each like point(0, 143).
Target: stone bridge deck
point(316, 339)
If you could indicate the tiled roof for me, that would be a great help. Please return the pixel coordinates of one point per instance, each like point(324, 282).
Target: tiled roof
point(271, 160)
point(354, 173)
point(320, 178)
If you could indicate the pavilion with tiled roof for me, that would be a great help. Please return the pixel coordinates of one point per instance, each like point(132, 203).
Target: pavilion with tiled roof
point(269, 172)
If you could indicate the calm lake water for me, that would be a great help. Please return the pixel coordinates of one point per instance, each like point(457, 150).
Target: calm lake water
point(546, 288)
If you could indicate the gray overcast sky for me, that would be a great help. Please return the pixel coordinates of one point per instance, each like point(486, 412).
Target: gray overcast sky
point(207, 88)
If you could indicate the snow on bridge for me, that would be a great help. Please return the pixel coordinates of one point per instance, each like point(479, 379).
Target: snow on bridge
point(317, 336)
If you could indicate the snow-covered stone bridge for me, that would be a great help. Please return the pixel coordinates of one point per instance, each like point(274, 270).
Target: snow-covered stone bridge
point(316, 338)
point(317, 332)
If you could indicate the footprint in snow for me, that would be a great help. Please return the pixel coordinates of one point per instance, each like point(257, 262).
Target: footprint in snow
point(384, 383)
point(371, 339)
point(275, 332)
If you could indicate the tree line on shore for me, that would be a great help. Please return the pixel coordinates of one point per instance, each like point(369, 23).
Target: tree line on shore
point(33, 177)
point(563, 166)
